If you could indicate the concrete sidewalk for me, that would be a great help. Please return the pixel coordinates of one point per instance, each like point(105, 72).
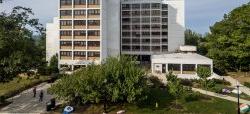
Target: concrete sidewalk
point(234, 83)
point(226, 97)
point(26, 103)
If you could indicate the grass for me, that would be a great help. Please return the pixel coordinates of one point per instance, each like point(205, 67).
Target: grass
point(204, 105)
point(19, 84)
point(242, 77)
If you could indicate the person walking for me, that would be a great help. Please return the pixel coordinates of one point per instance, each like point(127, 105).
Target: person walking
point(41, 96)
point(34, 92)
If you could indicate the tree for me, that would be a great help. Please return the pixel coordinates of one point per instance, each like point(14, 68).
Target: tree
point(174, 86)
point(18, 51)
point(228, 44)
point(203, 73)
point(117, 80)
point(192, 38)
point(53, 65)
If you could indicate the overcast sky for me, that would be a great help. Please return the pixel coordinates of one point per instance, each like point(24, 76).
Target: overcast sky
point(200, 14)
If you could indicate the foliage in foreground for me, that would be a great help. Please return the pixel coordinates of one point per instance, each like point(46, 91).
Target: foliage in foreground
point(117, 80)
point(18, 49)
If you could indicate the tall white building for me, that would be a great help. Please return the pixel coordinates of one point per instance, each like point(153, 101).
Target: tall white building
point(91, 30)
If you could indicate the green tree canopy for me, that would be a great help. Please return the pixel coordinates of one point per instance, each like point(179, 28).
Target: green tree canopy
point(18, 50)
point(228, 44)
point(116, 80)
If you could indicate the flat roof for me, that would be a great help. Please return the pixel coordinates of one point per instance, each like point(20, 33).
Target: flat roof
point(181, 58)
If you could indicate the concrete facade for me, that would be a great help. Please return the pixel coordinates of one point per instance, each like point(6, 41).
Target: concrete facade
point(89, 31)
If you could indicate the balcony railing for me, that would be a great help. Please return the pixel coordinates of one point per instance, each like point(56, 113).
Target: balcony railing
point(65, 47)
point(93, 6)
point(80, 27)
point(79, 58)
point(93, 48)
point(80, 6)
point(66, 6)
point(79, 16)
point(66, 27)
point(66, 17)
point(66, 57)
point(80, 47)
point(94, 58)
point(79, 37)
point(93, 27)
point(65, 37)
point(94, 16)
point(93, 37)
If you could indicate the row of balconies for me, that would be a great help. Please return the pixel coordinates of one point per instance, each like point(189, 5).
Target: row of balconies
point(79, 16)
point(79, 58)
point(80, 37)
point(80, 47)
point(80, 27)
point(145, 48)
point(79, 6)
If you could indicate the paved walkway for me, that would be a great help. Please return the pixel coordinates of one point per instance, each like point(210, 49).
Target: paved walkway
point(25, 103)
point(226, 97)
point(234, 83)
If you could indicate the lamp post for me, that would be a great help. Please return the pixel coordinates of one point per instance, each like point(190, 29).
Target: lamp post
point(238, 94)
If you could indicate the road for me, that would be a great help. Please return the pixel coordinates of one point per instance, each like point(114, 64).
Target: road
point(26, 103)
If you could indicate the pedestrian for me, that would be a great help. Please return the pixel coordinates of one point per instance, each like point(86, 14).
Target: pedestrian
point(41, 96)
point(34, 92)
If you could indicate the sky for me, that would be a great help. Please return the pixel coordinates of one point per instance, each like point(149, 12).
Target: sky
point(199, 14)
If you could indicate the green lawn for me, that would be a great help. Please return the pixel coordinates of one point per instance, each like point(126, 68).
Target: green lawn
point(19, 84)
point(205, 105)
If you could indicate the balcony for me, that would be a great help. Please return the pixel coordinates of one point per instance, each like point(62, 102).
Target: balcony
point(79, 58)
point(66, 17)
point(93, 48)
point(93, 37)
point(94, 58)
point(66, 57)
point(80, 6)
point(65, 37)
point(93, 27)
point(66, 47)
point(79, 16)
point(66, 6)
point(80, 27)
point(80, 47)
point(80, 37)
point(94, 16)
point(66, 27)
point(93, 6)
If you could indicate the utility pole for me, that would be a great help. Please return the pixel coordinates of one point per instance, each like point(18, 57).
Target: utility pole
point(238, 93)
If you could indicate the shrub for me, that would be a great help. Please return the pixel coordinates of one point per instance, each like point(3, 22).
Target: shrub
point(247, 84)
point(224, 82)
point(192, 96)
point(217, 89)
point(2, 99)
point(156, 81)
point(186, 82)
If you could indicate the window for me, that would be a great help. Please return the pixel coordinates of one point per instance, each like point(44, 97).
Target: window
point(156, 26)
point(156, 41)
point(94, 22)
point(164, 20)
point(145, 13)
point(145, 20)
point(165, 48)
point(94, 12)
point(165, 13)
point(156, 33)
point(126, 48)
point(165, 40)
point(126, 27)
point(145, 48)
point(156, 6)
point(65, 33)
point(79, 22)
point(135, 6)
point(65, 53)
point(65, 12)
point(156, 48)
point(156, 20)
point(135, 13)
point(125, 6)
point(93, 33)
point(93, 2)
point(66, 2)
point(65, 23)
point(145, 33)
point(79, 33)
point(136, 48)
point(80, 2)
point(80, 53)
point(126, 13)
point(145, 41)
point(136, 27)
point(80, 12)
point(127, 41)
point(94, 54)
point(164, 33)
point(135, 41)
point(79, 43)
point(135, 20)
point(145, 27)
point(126, 20)
point(65, 43)
point(165, 6)
point(156, 12)
point(136, 34)
point(164, 26)
point(126, 34)
point(94, 43)
point(145, 6)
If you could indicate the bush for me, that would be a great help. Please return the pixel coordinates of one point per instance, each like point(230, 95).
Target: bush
point(192, 96)
point(224, 82)
point(2, 99)
point(217, 89)
point(247, 84)
point(186, 82)
point(156, 81)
